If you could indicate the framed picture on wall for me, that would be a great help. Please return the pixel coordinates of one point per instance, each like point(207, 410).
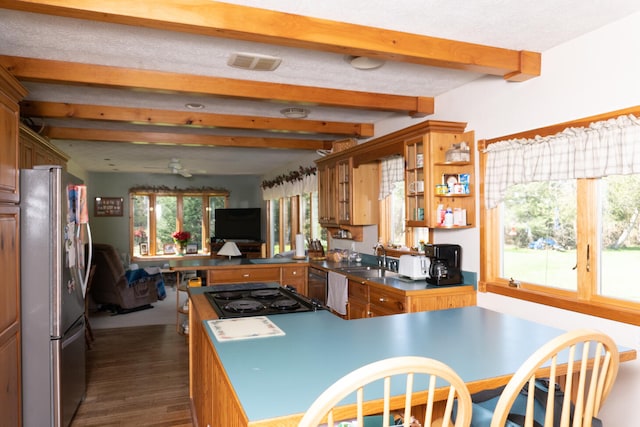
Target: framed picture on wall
point(108, 206)
point(144, 248)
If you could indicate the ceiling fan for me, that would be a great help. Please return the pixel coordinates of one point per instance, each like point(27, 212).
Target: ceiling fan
point(175, 167)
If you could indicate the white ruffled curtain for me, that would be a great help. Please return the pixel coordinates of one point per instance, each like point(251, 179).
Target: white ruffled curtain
point(392, 172)
point(604, 148)
point(307, 184)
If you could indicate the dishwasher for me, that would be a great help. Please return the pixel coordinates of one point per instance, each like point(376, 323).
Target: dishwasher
point(317, 284)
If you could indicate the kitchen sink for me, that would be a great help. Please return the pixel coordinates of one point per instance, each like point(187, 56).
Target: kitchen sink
point(367, 271)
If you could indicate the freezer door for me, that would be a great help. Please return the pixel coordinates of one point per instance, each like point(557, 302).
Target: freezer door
point(69, 372)
point(54, 379)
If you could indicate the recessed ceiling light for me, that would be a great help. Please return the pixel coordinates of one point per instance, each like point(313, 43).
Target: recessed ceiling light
point(364, 63)
point(194, 106)
point(295, 113)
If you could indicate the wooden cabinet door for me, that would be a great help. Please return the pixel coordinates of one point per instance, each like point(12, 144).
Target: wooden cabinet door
point(8, 150)
point(36, 150)
point(10, 314)
point(327, 193)
point(10, 379)
point(358, 300)
point(11, 92)
point(296, 277)
point(344, 192)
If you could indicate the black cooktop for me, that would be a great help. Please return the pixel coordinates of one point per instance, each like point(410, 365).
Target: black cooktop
point(258, 300)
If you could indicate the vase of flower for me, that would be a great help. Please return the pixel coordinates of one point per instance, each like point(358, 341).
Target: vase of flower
point(181, 238)
point(181, 248)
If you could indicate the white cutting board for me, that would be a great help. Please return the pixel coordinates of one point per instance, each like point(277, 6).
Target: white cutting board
point(244, 328)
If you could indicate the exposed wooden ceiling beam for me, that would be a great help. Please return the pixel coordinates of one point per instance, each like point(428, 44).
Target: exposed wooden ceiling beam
point(265, 26)
point(74, 73)
point(165, 138)
point(190, 119)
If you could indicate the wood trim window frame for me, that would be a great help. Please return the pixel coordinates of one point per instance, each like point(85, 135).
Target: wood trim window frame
point(585, 300)
point(179, 218)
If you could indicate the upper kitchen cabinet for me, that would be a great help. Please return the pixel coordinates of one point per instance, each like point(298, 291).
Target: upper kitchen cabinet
point(37, 150)
point(357, 193)
point(11, 92)
point(348, 195)
point(327, 190)
point(439, 176)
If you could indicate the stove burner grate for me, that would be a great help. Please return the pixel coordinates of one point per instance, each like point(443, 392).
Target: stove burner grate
point(227, 296)
point(285, 304)
point(244, 306)
point(255, 299)
point(265, 293)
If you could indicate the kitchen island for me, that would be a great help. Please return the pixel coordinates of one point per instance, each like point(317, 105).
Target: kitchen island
point(271, 381)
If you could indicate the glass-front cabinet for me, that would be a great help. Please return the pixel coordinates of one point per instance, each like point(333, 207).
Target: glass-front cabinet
point(344, 192)
point(348, 195)
point(327, 194)
point(415, 181)
point(439, 174)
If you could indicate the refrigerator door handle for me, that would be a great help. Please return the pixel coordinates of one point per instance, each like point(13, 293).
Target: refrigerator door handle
point(85, 282)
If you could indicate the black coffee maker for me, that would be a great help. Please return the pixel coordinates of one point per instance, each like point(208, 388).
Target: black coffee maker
point(445, 264)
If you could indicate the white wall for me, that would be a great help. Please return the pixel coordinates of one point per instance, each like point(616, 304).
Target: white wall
point(594, 74)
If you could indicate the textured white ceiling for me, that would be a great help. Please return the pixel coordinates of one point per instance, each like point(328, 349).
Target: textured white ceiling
point(535, 26)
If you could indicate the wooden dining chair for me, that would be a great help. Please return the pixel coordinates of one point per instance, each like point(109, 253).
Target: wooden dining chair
point(593, 359)
point(424, 381)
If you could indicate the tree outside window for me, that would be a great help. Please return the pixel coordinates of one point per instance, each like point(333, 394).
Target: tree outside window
point(176, 211)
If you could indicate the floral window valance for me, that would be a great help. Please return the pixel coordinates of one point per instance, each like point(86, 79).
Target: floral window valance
point(604, 148)
point(295, 183)
point(176, 190)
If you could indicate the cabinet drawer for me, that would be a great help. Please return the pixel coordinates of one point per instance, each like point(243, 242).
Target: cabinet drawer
point(244, 275)
point(293, 272)
point(358, 290)
point(388, 301)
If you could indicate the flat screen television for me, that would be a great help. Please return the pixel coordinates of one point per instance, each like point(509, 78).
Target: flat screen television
point(238, 224)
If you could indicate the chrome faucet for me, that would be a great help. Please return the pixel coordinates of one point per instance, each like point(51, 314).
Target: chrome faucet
point(379, 246)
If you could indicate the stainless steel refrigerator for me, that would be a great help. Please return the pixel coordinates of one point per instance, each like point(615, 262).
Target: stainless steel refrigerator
point(53, 232)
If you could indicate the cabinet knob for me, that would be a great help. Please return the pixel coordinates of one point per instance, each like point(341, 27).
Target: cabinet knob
point(246, 275)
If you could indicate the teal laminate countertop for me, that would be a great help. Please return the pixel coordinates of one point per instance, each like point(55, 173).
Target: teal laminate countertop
point(279, 376)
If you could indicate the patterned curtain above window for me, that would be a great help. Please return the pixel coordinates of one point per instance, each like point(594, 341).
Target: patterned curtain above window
point(392, 172)
point(604, 148)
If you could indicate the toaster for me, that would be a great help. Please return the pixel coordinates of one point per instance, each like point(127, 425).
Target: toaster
point(415, 267)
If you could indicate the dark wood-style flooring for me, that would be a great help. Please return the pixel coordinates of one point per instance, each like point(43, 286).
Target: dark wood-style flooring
point(137, 376)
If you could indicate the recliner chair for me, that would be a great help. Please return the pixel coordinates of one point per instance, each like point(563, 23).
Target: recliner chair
point(110, 286)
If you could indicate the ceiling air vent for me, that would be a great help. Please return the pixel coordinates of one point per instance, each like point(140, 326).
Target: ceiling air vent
point(254, 61)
